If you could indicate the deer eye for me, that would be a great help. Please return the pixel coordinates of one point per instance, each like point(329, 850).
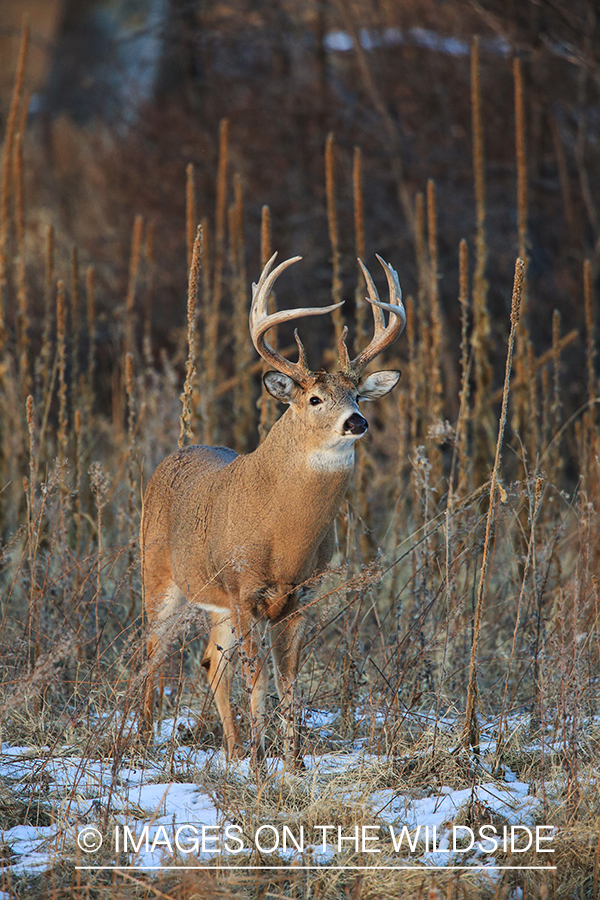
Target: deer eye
point(315, 401)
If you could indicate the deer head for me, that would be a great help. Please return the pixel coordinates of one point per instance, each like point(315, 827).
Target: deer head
point(327, 404)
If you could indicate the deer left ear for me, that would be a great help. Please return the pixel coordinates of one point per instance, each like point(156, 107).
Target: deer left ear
point(280, 386)
point(376, 385)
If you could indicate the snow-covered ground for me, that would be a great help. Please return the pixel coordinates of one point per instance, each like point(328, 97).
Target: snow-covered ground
point(139, 816)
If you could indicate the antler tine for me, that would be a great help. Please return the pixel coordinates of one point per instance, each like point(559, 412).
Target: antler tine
point(260, 322)
point(374, 300)
point(383, 335)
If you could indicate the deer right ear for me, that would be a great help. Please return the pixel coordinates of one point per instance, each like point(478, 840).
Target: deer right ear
point(280, 386)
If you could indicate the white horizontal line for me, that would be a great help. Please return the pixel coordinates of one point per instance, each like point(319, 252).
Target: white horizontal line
point(324, 867)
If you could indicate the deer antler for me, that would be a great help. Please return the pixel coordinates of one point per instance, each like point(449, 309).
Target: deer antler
point(383, 335)
point(261, 321)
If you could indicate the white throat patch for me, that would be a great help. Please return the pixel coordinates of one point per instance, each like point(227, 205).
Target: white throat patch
point(335, 458)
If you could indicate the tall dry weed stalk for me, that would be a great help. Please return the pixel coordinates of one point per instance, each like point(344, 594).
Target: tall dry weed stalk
point(75, 327)
point(9, 142)
point(190, 212)
point(470, 736)
point(91, 329)
point(242, 397)
point(186, 433)
point(212, 296)
point(524, 410)
point(134, 266)
point(437, 344)
point(268, 404)
point(332, 221)
point(61, 314)
point(461, 458)
point(131, 479)
point(149, 265)
point(360, 303)
point(534, 513)
point(23, 319)
point(590, 327)
point(481, 337)
point(437, 329)
point(44, 364)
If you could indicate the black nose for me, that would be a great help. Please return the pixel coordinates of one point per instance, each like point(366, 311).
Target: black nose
point(356, 424)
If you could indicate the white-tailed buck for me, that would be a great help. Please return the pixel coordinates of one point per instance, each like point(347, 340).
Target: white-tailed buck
point(244, 536)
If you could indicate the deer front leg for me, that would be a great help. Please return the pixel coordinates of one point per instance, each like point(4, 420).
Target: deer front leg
point(254, 668)
point(287, 637)
point(219, 664)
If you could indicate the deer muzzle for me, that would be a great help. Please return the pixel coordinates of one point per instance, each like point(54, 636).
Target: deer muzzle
point(355, 424)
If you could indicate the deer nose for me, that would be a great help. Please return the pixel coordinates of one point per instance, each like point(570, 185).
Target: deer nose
point(355, 424)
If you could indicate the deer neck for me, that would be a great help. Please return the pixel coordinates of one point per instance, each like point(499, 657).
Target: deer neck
point(292, 455)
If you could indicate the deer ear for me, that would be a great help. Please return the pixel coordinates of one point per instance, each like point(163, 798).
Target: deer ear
point(280, 386)
point(377, 384)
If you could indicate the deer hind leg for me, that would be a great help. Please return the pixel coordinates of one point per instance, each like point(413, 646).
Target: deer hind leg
point(158, 613)
point(219, 660)
point(287, 637)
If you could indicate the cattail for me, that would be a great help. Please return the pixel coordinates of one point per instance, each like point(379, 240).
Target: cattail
point(336, 281)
